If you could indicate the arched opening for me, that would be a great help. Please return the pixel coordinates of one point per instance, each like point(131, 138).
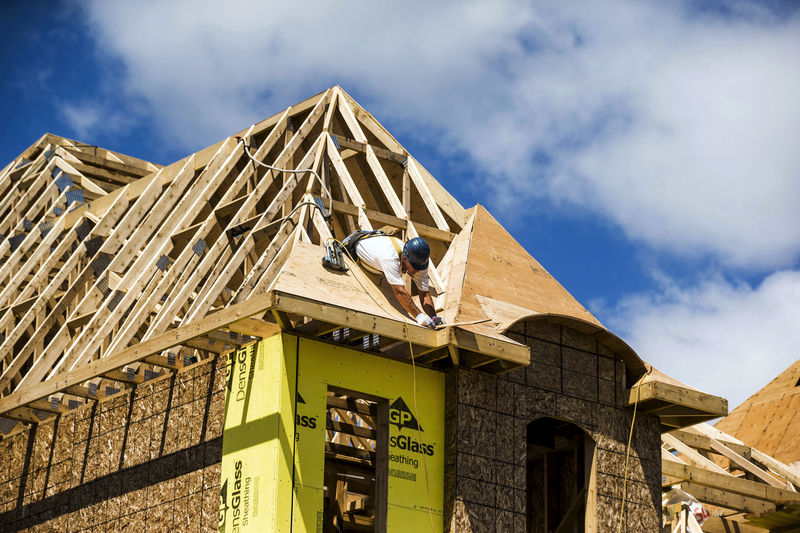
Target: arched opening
point(560, 477)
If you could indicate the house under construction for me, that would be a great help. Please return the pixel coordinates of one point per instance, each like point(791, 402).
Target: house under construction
point(175, 356)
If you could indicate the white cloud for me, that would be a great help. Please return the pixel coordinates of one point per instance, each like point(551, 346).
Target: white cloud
point(82, 119)
point(707, 160)
point(87, 120)
point(728, 339)
point(681, 128)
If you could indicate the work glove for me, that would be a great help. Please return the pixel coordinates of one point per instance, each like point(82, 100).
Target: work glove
point(425, 320)
point(437, 321)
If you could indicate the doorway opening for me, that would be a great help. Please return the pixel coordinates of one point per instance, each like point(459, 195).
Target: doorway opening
point(356, 462)
point(560, 478)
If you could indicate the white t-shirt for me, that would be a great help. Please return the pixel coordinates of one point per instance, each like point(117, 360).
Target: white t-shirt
point(378, 255)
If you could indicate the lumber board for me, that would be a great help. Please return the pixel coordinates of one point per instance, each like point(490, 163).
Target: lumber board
point(703, 442)
point(691, 455)
point(341, 450)
point(92, 336)
point(673, 394)
point(126, 166)
point(727, 482)
point(791, 474)
point(351, 429)
point(254, 327)
point(444, 200)
point(726, 499)
point(121, 232)
point(278, 247)
point(210, 256)
point(372, 162)
point(427, 197)
point(201, 304)
point(24, 355)
point(744, 464)
point(396, 222)
point(255, 305)
point(350, 404)
point(347, 182)
point(83, 170)
point(383, 153)
point(18, 275)
point(389, 327)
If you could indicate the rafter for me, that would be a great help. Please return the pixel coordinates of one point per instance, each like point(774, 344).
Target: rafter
point(111, 254)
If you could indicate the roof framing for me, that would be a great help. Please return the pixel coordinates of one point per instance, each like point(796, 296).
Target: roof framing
point(117, 270)
point(751, 487)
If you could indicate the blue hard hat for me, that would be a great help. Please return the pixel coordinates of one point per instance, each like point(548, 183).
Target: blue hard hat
point(417, 252)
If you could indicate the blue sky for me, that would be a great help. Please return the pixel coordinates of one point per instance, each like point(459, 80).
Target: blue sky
point(644, 152)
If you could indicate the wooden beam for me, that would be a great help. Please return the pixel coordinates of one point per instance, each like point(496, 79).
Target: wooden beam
point(791, 474)
point(347, 184)
point(92, 337)
point(26, 415)
point(136, 171)
point(372, 161)
point(255, 327)
point(350, 429)
point(255, 305)
point(578, 505)
point(703, 442)
point(427, 197)
point(349, 451)
point(714, 406)
point(726, 499)
point(727, 482)
point(382, 153)
point(396, 222)
point(218, 282)
point(692, 455)
point(744, 464)
point(388, 327)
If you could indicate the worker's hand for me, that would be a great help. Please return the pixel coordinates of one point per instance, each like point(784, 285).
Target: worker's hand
point(425, 320)
point(437, 321)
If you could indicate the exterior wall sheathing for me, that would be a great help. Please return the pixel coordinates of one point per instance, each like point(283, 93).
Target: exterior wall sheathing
point(571, 378)
point(143, 460)
point(149, 459)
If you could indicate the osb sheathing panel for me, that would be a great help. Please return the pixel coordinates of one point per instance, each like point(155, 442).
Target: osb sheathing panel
point(770, 419)
point(502, 269)
point(773, 428)
point(570, 378)
point(146, 458)
point(483, 253)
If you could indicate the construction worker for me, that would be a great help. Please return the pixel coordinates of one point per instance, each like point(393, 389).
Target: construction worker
point(381, 254)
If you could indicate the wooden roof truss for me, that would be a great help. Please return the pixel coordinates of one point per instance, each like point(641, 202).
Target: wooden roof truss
point(748, 486)
point(116, 270)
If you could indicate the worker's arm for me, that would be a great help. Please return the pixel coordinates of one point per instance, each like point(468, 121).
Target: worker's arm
point(405, 300)
point(427, 303)
point(393, 272)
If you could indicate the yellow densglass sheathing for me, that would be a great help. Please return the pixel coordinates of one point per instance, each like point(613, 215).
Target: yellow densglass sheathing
point(256, 480)
point(411, 451)
point(259, 440)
